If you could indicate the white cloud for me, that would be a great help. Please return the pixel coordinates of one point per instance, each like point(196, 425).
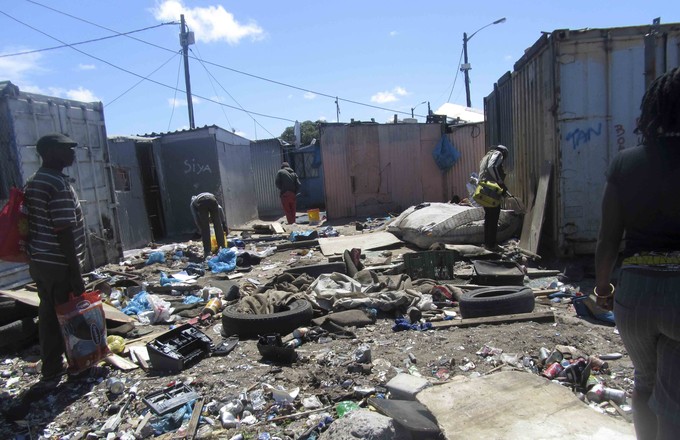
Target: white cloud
point(243, 134)
point(81, 94)
point(508, 58)
point(211, 23)
point(290, 96)
point(309, 95)
point(86, 67)
point(182, 102)
point(394, 33)
point(322, 118)
point(18, 67)
point(389, 96)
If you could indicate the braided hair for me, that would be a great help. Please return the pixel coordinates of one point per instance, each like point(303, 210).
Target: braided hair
point(660, 109)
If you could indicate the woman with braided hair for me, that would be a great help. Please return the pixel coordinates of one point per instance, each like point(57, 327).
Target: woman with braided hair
point(641, 200)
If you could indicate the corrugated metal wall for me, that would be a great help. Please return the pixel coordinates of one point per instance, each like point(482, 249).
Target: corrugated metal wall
point(378, 168)
point(134, 220)
point(32, 116)
point(266, 157)
point(236, 172)
point(575, 99)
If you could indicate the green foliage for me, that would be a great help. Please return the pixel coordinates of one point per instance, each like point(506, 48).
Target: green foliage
point(308, 131)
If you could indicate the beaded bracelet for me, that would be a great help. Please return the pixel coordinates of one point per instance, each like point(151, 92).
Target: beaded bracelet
point(604, 296)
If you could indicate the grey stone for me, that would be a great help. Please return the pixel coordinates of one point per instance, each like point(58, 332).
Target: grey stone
point(366, 425)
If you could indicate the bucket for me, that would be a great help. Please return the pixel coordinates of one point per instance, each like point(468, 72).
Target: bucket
point(313, 215)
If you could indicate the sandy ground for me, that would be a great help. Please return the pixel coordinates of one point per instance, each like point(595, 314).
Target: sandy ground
point(76, 408)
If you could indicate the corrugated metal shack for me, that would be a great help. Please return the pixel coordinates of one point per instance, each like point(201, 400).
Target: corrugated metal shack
point(204, 159)
point(24, 118)
point(267, 156)
point(130, 191)
point(573, 99)
point(373, 169)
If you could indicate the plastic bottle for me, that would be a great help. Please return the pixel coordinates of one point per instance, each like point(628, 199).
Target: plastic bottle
point(345, 407)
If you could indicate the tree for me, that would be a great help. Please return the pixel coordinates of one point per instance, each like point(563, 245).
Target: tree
point(308, 131)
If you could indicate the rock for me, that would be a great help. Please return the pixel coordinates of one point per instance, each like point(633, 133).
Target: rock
point(364, 424)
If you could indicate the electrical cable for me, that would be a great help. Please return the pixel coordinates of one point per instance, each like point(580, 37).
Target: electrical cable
point(456, 77)
point(174, 98)
point(141, 81)
point(231, 127)
point(136, 74)
point(234, 99)
point(27, 52)
point(326, 95)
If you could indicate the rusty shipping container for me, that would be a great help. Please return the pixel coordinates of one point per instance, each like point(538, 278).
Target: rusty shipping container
point(573, 100)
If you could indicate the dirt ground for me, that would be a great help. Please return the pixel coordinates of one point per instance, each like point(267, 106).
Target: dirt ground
point(78, 409)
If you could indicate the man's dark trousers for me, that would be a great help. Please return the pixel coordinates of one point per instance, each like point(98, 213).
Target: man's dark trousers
point(491, 216)
point(208, 210)
point(54, 286)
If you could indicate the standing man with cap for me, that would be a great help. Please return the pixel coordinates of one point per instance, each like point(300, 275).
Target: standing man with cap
point(56, 244)
point(288, 184)
point(204, 208)
point(491, 170)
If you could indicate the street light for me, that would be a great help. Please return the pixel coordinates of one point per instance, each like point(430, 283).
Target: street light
point(413, 108)
point(466, 66)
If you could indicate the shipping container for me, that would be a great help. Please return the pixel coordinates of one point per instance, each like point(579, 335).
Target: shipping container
point(24, 118)
point(207, 159)
point(374, 169)
point(573, 99)
point(267, 156)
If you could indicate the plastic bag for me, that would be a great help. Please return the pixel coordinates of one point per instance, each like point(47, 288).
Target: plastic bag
point(14, 225)
point(445, 154)
point(155, 257)
point(83, 326)
point(224, 261)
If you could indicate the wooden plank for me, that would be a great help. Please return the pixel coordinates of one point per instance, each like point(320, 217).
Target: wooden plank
point(531, 241)
point(31, 298)
point(502, 319)
point(526, 222)
point(195, 415)
point(120, 362)
point(371, 240)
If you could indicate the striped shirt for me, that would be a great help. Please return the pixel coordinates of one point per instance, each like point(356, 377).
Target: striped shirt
point(52, 205)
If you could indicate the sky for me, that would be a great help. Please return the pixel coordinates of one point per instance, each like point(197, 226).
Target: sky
point(258, 66)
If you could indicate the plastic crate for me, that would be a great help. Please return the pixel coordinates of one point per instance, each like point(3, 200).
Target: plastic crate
point(435, 265)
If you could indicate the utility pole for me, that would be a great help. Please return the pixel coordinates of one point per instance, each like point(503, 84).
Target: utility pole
point(185, 39)
point(466, 69)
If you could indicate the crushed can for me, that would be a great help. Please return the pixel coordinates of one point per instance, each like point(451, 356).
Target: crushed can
point(600, 393)
point(553, 370)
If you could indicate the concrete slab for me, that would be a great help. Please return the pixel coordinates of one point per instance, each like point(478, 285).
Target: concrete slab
point(370, 240)
point(405, 386)
point(513, 404)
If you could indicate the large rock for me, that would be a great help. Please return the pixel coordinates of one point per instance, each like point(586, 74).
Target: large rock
point(365, 425)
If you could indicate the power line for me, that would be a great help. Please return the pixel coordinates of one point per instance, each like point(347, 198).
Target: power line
point(174, 98)
point(27, 52)
point(234, 99)
point(136, 74)
point(141, 80)
point(326, 95)
point(456, 77)
point(231, 127)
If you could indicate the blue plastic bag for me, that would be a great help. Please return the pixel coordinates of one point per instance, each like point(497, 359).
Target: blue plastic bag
point(224, 261)
point(155, 257)
point(140, 303)
point(445, 154)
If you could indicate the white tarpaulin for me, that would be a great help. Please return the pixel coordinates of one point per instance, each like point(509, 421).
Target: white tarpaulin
point(449, 223)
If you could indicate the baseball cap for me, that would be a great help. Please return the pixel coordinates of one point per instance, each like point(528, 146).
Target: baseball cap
point(55, 140)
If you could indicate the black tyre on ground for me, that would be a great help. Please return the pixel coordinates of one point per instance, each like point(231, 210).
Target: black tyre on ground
point(247, 325)
point(18, 333)
point(12, 310)
point(493, 301)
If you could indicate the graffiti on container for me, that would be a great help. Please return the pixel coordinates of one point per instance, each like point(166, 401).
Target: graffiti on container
point(579, 137)
point(620, 138)
point(191, 166)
